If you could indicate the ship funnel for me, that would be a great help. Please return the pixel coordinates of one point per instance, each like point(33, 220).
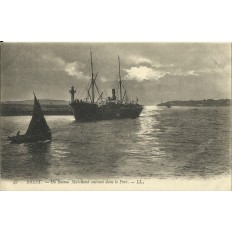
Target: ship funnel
point(113, 94)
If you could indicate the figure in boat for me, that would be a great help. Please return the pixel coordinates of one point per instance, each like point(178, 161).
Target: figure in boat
point(38, 129)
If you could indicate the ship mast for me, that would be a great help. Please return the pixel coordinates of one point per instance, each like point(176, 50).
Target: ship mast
point(120, 80)
point(92, 78)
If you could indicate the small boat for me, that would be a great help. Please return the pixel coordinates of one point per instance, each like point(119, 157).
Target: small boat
point(38, 129)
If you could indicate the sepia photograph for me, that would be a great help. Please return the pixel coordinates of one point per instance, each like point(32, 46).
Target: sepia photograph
point(115, 116)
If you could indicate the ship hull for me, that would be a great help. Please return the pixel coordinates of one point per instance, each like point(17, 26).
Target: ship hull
point(83, 111)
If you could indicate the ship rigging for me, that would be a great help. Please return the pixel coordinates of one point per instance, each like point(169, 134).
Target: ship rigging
point(111, 108)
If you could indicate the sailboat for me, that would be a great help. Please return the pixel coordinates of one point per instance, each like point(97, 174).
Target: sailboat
point(108, 109)
point(38, 129)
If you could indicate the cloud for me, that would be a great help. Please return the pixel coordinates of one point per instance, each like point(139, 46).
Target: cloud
point(56, 63)
point(171, 71)
point(142, 73)
point(138, 60)
point(145, 69)
point(180, 72)
point(164, 67)
point(73, 70)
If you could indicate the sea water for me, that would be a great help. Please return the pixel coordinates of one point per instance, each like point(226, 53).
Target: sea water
point(177, 142)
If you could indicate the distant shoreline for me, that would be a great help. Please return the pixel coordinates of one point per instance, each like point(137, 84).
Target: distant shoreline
point(198, 103)
point(60, 107)
point(25, 108)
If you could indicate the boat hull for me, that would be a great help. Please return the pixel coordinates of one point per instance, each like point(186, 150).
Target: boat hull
point(83, 111)
point(29, 139)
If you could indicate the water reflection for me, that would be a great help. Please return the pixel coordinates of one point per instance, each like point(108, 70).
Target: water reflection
point(39, 152)
point(25, 161)
point(147, 135)
point(38, 159)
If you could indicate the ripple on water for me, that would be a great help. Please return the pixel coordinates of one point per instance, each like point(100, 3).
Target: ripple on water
point(162, 143)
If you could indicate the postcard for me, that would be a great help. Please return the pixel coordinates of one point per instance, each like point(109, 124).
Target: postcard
point(115, 116)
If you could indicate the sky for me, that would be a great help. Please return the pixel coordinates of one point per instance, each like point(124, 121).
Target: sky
point(150, 71)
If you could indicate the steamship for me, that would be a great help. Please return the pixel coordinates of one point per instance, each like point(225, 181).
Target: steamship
point(92, 109)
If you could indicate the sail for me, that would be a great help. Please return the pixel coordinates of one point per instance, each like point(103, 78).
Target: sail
point(38, 125)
